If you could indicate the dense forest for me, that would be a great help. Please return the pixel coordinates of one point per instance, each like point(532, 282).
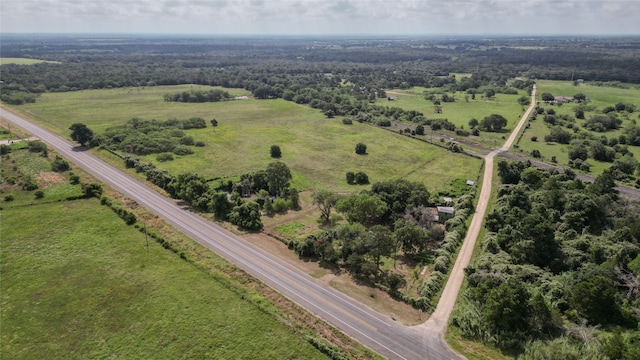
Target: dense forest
point(300, 66)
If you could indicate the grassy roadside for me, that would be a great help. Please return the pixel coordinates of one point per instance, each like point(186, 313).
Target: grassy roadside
point(76, 281)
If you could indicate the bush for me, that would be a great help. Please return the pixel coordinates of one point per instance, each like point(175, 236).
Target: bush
point(39, 194)
point(534, 138)
point(275, 151)
point(199, 144)
point(8, 198)
point(186, 140)
point(182, 150)
point(164, 157)
point(74, 179)
point(351, 177)
point(280, 205)
point(361, 149)
point(536, 153)
point(347, 121)
point(361, 178)
point(59, 164)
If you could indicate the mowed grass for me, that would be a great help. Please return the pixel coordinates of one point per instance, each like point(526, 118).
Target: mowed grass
point(600, 97)
point(80, 291)
point(461, 111)
point(318, 150)
point(24, 61)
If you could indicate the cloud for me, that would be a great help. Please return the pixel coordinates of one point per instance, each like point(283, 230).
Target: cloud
point(323, 16)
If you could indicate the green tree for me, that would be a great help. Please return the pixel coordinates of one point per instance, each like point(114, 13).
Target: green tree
point(524, 100)
point(410, 237)
point(493, 122)
point(548, 97)
point(81, 133)
point(361, 149)
point(275, 151)
point(246, 216)
point(278, 176)
point(325, 200)
point(220, 205)
point(364, 209)
point(473, 123)
point(419, 130)
point(506, 309)
point(596, 299)
point(351, 177)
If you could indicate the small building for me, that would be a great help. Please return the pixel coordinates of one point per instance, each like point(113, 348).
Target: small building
point(562, 99)
point(445, 213)
point(471, 182)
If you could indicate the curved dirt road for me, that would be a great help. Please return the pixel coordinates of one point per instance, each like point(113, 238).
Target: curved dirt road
point(437, 323)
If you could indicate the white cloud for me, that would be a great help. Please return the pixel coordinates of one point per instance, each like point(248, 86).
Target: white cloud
point(323, 16)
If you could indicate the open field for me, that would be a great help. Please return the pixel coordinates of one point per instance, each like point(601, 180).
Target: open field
point(318, 150)
point(24, 61)
point(600, 97)
point(78, 291)
point(461, 111)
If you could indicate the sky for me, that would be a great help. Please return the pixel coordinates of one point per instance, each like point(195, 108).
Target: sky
point(323, 17)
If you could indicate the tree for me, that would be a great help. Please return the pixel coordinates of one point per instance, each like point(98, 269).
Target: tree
point(361, 178)
point(351, 177)
point(419, 130)
point(81, 133)
point(524, 100)
point(219, 205)
point(325, 200)
point(410, 237)
point(275, 151)
point(361, 149)
point(493, 122)
point(579, 97)
point(278, 177)
point(363, 208)
point(489, 93)
point(548, 97)
point(596, 299)
point(473, 123)
point(214, 122)
point(246, 216)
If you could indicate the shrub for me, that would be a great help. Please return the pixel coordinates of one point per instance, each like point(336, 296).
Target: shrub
point(164, 157)
point(351, 177)
point(280, 205)
point(186, 140)
point(8, 198)
point(59, 164)
point(361, 178)
point(39, 194)
point(199, 143)
point(182, 150)
point(275, 151)
point(536, 153)
point(361, 149)
point(347, 121)
point(534, 138)
point(74, 179)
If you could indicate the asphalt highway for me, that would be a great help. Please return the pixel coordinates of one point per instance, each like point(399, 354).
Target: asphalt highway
point(375, 330)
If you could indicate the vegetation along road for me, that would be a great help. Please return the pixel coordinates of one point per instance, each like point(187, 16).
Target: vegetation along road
point(371, 328)
point(437, 323)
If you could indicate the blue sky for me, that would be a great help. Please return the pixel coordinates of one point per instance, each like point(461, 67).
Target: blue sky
point(320, 17)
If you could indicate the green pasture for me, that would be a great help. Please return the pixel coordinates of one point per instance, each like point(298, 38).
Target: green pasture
point(462, 110)
point(73, 290)
point(318, 150)
point(600, 97)
point(24, 61)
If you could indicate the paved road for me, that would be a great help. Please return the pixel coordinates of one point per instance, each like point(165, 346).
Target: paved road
point(437, 323)
point(369, 327)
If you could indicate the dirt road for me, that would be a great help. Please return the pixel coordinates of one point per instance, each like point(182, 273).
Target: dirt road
point(437, 323)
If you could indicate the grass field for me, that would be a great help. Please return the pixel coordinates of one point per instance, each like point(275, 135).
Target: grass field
point(70, 290)
point(599, 97)
point(318, 150)
point(24, 61)
point(461, 111)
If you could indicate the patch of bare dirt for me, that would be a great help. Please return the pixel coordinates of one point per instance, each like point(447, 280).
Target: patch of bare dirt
point(47, 179)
